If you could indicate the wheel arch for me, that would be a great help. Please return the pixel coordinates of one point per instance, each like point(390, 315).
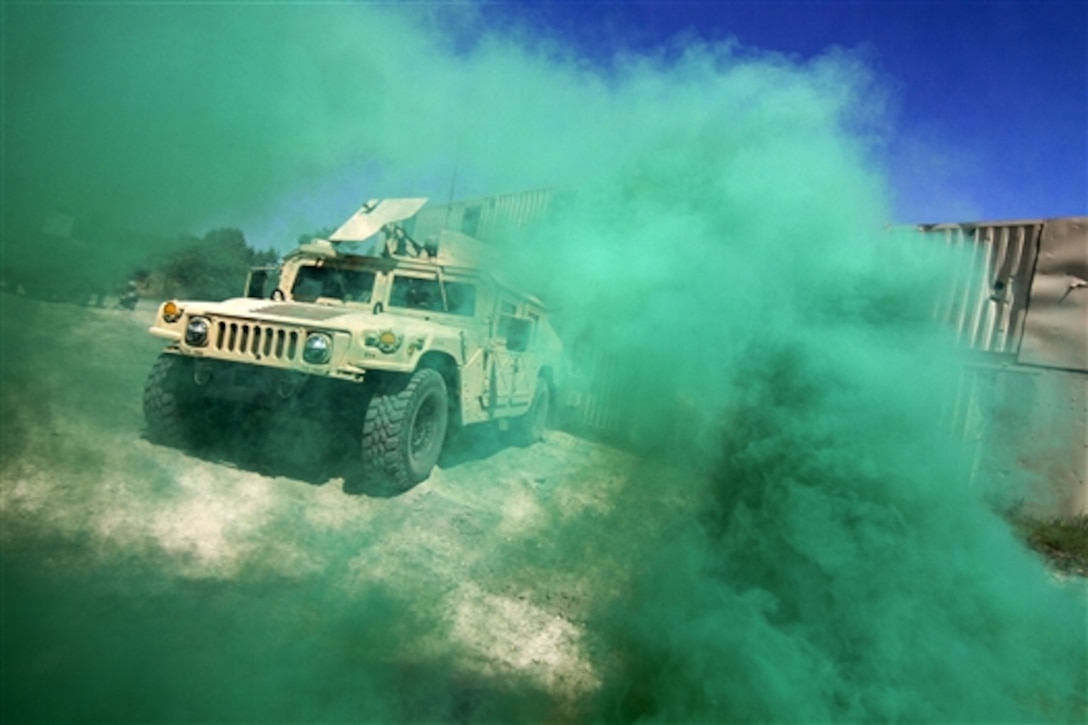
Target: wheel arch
point(446, 366)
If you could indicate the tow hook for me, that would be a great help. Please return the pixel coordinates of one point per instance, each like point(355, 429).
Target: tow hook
point(289, 385)
point(202, 372)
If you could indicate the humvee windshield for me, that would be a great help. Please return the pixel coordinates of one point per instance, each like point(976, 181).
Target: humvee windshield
point(347, 285)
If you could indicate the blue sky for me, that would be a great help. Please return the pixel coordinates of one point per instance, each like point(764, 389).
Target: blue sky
point(274, 116)
point(988, 100)
point(984, 103)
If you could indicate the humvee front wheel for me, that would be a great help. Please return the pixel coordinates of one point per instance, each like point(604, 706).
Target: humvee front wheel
point(404, 429)
point(171, 402)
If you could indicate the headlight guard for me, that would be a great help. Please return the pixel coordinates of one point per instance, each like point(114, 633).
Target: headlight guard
point(196, 331)
point(317, 350)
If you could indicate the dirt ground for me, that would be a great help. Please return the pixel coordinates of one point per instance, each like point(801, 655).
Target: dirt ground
point(144, 582)
point(472, 549)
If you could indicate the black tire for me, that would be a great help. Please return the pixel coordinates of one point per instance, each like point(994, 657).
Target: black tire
point(404, 429)
point(173, 408)
point(529, 428)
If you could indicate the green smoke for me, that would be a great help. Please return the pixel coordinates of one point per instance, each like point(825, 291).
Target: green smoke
point(795, 539)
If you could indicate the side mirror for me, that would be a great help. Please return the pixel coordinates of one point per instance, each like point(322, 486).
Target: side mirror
point(256, 282)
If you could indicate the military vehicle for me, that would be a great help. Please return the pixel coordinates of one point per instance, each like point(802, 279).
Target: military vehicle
point(399, 341)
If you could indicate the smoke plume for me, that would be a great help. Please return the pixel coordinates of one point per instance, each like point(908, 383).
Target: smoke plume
point(793, 537)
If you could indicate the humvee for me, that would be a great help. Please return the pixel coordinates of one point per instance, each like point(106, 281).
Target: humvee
point(403, 341)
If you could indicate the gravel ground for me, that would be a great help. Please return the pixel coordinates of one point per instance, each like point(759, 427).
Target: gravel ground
point(472, 550)
point(147, 583)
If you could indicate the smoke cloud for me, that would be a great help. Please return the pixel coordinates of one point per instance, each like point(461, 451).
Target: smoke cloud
point(794, 539)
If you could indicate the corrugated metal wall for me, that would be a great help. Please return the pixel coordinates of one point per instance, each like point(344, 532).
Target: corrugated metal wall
point(505, 214)
point(1022, 305)
point(597, 399)
point(488, 218)
point(1011, 398)
point(987, 306)
point(1056, 331)
point(1027, 391)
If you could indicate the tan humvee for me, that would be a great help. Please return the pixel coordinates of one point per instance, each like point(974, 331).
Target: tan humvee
point(406, 341)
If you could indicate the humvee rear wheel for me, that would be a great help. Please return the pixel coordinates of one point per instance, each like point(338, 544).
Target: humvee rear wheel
point(172, 404)
point(404, 429)
point(529, 428)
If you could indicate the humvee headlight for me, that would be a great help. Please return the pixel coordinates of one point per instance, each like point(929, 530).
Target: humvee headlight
point(171, 312)
point(318, 348)
point(387, 341)
point(196, 332)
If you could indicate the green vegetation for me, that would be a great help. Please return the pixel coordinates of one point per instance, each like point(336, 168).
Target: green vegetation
point(96, 264)
point(211, 267)
point(1063, 542)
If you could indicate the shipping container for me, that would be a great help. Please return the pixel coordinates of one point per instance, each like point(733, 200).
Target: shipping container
point(1019, 309)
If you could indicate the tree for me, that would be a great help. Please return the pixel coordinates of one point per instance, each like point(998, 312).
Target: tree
point(213, 267)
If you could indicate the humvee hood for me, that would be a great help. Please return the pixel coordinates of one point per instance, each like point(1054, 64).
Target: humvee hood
point(296, 312)
point(350, 318)
point(305, 312)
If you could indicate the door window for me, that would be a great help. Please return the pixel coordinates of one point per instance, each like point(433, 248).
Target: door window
point(517, 331)
point(421, 293)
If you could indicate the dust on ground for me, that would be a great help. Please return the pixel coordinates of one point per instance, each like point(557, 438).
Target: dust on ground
point(471, 548)
point(145, 583)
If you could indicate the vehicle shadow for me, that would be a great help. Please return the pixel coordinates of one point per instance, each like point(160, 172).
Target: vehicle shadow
point(316, 453)
point(474, 443)
point(261, 444)
point(466, 445)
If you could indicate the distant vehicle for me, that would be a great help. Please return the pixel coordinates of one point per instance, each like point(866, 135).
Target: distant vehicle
point(398, 340)
point(130, 296)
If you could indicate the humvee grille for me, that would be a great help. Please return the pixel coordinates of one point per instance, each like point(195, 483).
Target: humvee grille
point(257, 341)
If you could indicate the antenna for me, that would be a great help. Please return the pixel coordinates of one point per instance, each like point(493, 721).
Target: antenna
point(449, 202)
point(453, 185)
